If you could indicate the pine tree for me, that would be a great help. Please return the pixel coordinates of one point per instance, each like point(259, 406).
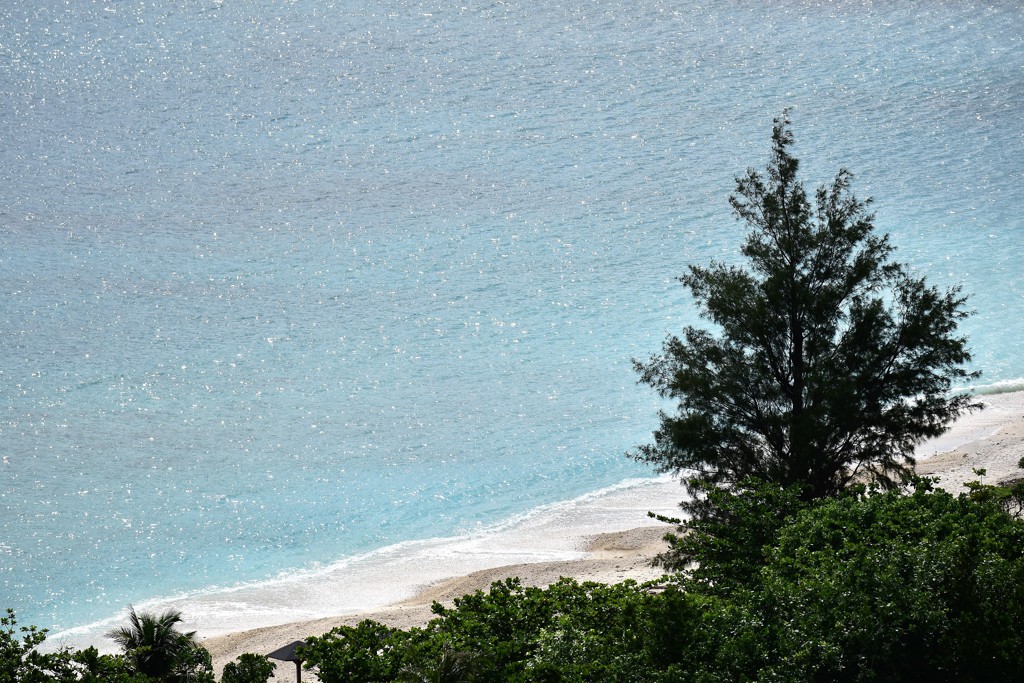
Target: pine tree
point(829, 361)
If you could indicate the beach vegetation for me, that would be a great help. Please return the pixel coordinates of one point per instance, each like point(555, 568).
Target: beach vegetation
point(93, 667)
point(248, 668)
point(368, 651)
point(160, 651)
point(728, 538)
point(826, 361)
point(445, 665)
point(22, 660)
point(1009, 494)
point(568, 631)
point(898, 585)
point(906, 584)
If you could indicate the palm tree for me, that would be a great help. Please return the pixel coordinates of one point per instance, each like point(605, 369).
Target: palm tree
point(153, 643)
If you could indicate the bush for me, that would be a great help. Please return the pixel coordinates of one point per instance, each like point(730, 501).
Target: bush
point(21, 661)
point(726, 541)
point(249, 668)
point(566, 632)
point(369, 652)
point(895, 587)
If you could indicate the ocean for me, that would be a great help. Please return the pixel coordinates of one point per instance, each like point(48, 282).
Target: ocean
point(298, 288)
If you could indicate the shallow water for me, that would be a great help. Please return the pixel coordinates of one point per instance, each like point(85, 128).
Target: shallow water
point(288, 284)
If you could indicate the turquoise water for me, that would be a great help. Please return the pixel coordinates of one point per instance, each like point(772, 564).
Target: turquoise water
point(286, 283)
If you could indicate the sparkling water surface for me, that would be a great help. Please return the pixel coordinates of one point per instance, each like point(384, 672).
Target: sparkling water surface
point(286, 283)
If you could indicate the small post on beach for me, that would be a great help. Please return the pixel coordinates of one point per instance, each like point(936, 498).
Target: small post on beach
point(288, 654)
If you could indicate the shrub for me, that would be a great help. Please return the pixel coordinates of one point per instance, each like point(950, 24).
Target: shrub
point(249, 668)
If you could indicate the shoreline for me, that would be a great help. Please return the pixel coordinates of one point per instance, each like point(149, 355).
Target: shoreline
point(992, 439)
point(612, 557)
point(551, 534)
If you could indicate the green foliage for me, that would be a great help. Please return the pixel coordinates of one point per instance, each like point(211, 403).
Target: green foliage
point(370, 652)
point(97, 668)
point(159, 651)
point(584, 632)
point(192, 665)
point(566, 632)
point(249, 668)
point(1009, 494)
point(831, 361)
point(21, 661)
point(444, 664)
point(502, 625)
point(17, 645)
point(725, 541)
point(891, 587)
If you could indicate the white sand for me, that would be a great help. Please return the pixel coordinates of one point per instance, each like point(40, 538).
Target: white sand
point(992, 439)
point(995, 444)
point(612, 558)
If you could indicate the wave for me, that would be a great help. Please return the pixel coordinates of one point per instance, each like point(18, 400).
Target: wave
point(1009, 386)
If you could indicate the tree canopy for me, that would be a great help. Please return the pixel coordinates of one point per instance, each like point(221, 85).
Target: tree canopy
point(829, 360)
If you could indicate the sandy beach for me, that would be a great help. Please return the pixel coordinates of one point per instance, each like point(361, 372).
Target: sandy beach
point(611, 558)
point(992, 439)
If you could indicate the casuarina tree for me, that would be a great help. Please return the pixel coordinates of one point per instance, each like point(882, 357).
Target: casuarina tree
point(827, 361)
